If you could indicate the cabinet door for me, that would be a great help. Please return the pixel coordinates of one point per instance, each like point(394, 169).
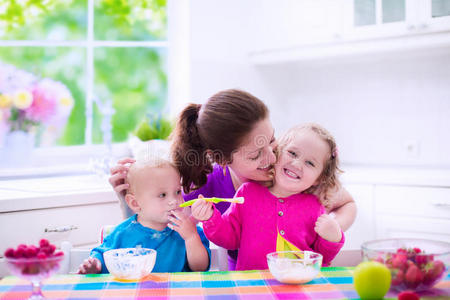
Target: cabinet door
point(290, 23)
point(431, 202)
point(363, 229)
point(434, 15)
point(412, 227)
point(412, 211)
point(80, 225)
point(366, 19)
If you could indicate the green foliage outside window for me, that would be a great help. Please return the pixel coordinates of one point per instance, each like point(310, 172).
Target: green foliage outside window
point(133, 78)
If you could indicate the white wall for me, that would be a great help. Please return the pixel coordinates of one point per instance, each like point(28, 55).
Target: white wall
point(376, 105)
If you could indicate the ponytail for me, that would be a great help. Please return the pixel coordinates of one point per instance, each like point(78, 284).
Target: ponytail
point(189, 151)
point(213, 134)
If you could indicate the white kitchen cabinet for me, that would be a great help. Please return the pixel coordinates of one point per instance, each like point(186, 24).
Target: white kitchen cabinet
point(80, 225)
point(408, 211)
point(367, 19)
point(289, 23)
point(398, 226)
point(290, 31)
point(398, 203)
point(434, 15)
point(60, 208)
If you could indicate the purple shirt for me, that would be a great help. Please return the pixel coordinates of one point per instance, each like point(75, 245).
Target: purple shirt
point(217, 185)
point(253, 226)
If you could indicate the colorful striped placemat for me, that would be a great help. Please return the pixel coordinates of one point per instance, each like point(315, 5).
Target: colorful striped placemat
point(333, 283)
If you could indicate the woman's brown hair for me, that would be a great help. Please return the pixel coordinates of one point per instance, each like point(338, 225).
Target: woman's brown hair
point(212, 132)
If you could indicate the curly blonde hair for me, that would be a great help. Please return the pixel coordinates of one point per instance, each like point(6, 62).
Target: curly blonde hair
point(328, 179)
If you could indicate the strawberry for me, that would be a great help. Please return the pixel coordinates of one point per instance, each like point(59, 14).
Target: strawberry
point(407, 295)
point(379, 259)
point(388, 262)
point(9, 253)
point(422, 259)
point(402, 250)
point(413, 276)
point(399, 261)
point(417, 250)
point(397, 276)
point(433, 271)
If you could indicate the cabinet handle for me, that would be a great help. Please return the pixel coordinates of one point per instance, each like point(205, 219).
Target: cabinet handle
point(441, 204)
point(61, 229)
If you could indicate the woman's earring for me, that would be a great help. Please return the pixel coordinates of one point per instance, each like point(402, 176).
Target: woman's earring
point(224, 168)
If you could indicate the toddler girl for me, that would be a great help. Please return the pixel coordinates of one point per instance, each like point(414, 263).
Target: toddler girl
point(288, 215)
point(158, 223)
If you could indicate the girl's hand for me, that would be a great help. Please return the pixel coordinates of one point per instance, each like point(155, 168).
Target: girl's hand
point(118, 174)
point(182, 224)
point(90, 265)
point(202, 210)
point(328, 228)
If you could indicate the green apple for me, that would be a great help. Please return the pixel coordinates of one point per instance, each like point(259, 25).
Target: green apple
point(372, 280)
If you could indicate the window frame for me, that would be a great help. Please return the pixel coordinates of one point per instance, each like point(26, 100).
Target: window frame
point(61, 158)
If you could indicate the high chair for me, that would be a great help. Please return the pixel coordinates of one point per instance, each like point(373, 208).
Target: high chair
point(75, 256)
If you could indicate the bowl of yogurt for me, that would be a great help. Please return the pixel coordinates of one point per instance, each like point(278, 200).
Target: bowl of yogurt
point(130, 263)
point(294, 267)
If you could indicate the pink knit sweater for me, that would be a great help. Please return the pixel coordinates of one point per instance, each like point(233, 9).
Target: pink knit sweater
point(252, 226)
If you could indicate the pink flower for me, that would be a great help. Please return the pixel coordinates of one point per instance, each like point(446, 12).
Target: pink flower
point(45, 97)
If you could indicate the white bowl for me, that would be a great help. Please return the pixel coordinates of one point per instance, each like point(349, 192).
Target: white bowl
point(294, 267)
point(130, 263)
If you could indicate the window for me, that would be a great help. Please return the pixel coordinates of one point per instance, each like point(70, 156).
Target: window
point(101, 50)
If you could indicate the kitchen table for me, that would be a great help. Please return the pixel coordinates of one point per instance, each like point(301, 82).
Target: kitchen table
point(332, 283)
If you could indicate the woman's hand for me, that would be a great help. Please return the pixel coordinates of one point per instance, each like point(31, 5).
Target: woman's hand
point(90, 265)
point(118, 174)
point(182, 224)
point(328, 228)
point(344, 208)
point(202, 210)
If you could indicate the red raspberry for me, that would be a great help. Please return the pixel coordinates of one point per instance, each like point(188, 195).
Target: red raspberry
point(9, 253)
point(22, 246)
point(47, 250)
point(407, 295)
point(417, 250)
point(51, 249)
point(41, 255)
point(19, 252)
point(58, 253)
point(30, 252)
point(43, 243)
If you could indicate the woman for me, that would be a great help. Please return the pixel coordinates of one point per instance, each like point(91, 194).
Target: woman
point(223, 143)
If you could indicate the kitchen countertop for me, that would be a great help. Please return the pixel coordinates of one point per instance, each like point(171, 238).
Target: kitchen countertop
point(57, 191)
point(408, 176)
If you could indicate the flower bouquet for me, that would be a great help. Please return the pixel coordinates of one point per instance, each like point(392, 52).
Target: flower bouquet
point(29, 104)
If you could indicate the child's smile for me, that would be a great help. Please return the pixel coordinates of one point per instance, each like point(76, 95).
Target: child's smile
point(300, 164)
